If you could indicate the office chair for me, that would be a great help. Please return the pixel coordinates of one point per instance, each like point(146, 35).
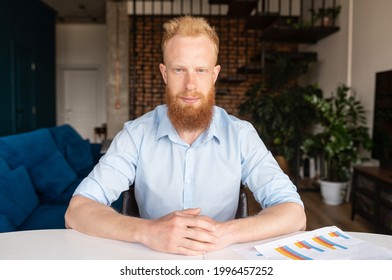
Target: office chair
point(130, 208)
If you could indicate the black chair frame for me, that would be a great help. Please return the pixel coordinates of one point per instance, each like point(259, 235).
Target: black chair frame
point(130, 207)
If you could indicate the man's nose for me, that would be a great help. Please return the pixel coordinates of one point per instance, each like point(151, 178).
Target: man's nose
point(190, 82)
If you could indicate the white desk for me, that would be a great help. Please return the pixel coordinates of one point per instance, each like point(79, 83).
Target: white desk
point(73, 245)
point(64, 244)
point(230, 254)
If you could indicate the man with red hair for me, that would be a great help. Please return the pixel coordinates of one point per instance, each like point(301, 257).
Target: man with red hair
point(187, 160)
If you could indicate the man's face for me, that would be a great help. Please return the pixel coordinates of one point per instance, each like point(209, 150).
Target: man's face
point(190, 74)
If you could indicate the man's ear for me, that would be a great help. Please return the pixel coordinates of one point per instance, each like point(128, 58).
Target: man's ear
point(162, 68)
point(217, 69)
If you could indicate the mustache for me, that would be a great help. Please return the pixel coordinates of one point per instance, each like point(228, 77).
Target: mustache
point(190, 94)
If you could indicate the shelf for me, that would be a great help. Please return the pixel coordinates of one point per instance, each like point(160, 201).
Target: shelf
point(386, 218)
point(309, 35)
point(376, 172)
point(365, 192)
point(365, 205)
point(295, 56)
point(364, 214)
point(219, 2)
point(372, 194)
point(241, 8)
point(261, 21)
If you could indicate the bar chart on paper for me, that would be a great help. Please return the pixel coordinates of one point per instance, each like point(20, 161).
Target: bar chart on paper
point(309, 247)
point(321, 244)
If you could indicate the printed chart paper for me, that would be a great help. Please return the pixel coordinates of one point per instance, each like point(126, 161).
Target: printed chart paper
point(328, 243)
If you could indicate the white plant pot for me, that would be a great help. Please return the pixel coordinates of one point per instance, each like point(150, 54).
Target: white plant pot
point(333, 193)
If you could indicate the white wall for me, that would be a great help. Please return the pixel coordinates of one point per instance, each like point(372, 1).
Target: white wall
point(372, 47)
point(81, 46)
point(355, 64)
point(332, 55)
point(80, 43)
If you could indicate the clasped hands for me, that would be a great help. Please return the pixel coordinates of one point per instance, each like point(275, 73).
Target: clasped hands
point(185, 232)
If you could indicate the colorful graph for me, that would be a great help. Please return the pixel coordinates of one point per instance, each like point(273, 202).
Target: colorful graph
point(316, 244)
point(319, 243)
point(290, 253)
point(327, 243)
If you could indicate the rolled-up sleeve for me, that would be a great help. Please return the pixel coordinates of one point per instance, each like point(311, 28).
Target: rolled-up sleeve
point(114, 173)
point(262, 174)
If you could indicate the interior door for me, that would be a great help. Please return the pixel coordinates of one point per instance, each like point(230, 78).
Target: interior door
point(81, 107)
point(23, 89)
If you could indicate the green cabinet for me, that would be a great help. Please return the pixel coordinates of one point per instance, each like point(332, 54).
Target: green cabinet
point(27, 66)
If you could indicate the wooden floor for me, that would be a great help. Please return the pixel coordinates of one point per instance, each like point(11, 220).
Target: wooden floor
point(321, 215)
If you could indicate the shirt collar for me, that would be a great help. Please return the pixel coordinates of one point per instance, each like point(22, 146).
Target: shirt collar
point(166, 128)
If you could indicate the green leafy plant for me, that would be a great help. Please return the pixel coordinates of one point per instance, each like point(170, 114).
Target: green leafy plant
point(277, 107)
point(282, 118)
point(297, 24)
point(282, 69)
point(330, 13)
point(343, 133)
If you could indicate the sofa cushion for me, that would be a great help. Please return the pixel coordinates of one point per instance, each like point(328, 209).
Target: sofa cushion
point(28, 148)
point(80, 157)
point(3, 166)
point(17, 196)
point(53, 175)
point(46, 216)
point(12, 211)
point(65, 196)
point(5, 224)
point(74, 148)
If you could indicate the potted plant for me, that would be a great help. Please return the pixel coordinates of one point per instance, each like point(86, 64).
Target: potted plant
point(326, 15)
point(282, 119)
point(343, 133)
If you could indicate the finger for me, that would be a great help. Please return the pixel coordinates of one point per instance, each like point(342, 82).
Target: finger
point(189, 211)
point(200, 235)
point(189, 252)
point(197, 245)
point(201, 223)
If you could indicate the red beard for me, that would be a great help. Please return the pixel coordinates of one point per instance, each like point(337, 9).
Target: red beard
point(189, 117)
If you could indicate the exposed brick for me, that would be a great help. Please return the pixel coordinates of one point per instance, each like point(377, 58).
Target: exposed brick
point(238, 47)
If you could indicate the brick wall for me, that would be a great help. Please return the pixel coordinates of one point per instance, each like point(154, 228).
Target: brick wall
point(238, 47)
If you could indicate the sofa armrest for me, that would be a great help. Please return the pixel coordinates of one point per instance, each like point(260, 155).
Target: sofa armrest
point(96, 151)
point(5, 224)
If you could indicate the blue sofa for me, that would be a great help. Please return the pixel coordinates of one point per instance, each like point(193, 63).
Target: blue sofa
point(39, 171)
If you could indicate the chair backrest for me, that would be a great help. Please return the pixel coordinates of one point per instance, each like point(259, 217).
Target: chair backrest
point(130, 207)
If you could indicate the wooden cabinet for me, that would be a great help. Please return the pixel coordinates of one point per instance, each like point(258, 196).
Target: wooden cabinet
point(372, 196)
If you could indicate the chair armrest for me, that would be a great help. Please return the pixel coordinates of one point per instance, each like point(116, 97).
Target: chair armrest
point(129, 206)
point(242, 210)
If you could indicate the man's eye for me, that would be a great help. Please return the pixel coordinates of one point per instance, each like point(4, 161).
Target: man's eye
point(178, 70)
point(201, 71)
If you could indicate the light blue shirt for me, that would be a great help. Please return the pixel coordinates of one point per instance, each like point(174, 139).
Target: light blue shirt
point(171, 175)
